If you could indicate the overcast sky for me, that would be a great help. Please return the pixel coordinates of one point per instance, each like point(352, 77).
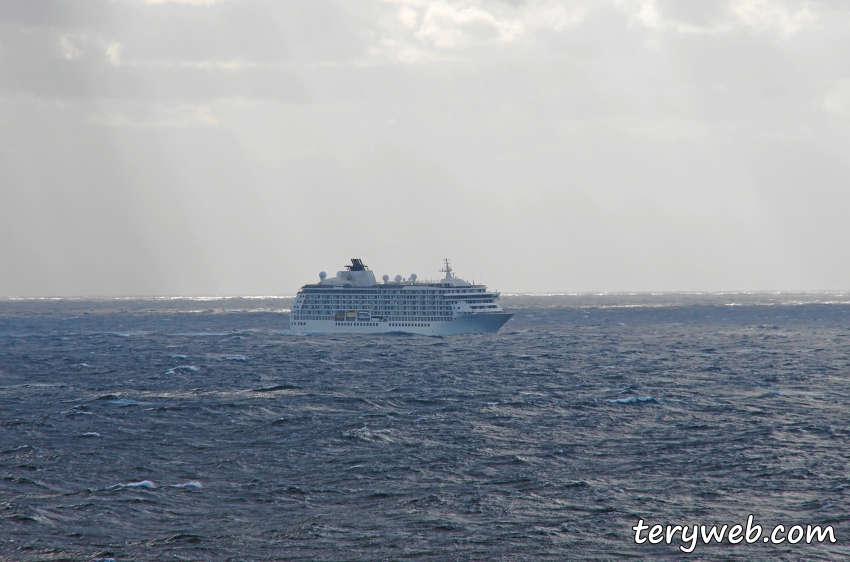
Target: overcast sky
point(239, 147)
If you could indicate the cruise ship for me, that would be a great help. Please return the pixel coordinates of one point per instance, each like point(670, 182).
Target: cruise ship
point(354, 302)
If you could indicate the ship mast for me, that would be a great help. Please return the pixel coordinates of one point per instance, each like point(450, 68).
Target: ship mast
point(447, 270)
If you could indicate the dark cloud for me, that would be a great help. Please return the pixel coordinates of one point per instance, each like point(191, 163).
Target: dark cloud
point(259, 31)
point(69, 14)
point(171, 52)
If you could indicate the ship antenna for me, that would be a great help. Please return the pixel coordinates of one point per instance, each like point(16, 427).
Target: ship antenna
point(447, 269)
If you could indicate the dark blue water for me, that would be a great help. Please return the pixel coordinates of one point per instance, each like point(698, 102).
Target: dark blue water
point(203, 430)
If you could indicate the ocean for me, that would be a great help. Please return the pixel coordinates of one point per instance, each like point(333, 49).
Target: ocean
point(202, 429)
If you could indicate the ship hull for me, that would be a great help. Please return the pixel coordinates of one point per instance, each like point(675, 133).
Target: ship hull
point(489, 323)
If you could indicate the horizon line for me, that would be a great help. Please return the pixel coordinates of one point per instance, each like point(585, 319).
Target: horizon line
point(205, 297)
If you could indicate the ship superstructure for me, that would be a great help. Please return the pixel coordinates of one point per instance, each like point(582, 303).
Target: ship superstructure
point(355, 302)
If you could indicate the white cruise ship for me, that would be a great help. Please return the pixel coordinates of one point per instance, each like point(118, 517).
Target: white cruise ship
point(354, 302)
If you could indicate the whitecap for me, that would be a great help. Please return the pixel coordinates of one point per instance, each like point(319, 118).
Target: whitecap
point(91, 434)
point(236, 358)
point(188, 485)
point(143, 484)
point(174, 370)
point(633, 400)
point(147, 484)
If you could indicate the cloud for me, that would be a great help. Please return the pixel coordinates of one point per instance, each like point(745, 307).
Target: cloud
point(69, 49)
point(256, 31)
point(112, 53)
point(722, 16)
point(448, 26)
point(837, 101)
point(772, 15)
point(136, 116)
point(186, 2)
point(136, 52)
point(419, 30)
point(652, 144)
point(408, 17)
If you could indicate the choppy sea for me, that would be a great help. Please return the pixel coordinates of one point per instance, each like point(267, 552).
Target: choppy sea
point(202, 429)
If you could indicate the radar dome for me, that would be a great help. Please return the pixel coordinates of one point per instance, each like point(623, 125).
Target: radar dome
point(413, 277)
point(385, 278)
point(322, 275)
point(398, 278)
